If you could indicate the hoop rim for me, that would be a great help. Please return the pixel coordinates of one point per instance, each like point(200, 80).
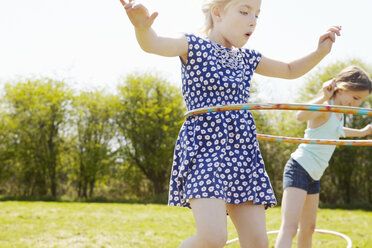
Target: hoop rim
point(282, 106)
point(320, 231)
point(285, 139)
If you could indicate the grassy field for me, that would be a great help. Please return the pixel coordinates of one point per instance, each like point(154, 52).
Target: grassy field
point(50, 224)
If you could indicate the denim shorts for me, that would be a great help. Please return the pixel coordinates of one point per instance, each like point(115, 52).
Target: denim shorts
point(296, 176)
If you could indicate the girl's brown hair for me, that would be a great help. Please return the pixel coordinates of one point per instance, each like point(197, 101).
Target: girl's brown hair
point(353, 78)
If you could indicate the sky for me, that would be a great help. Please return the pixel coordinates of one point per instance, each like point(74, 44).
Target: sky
point(90, 44)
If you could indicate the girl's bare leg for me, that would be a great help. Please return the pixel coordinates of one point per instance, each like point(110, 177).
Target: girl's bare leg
point(308, 221)
point(250, 222)
point(292, 205)
point(211, 224)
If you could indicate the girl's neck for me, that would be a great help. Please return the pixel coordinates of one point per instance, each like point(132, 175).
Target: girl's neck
point(217, 37)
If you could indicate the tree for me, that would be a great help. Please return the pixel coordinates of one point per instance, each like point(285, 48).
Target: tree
point(7, 151)
point(149, 119)
point(37, 110)
point(96, 129)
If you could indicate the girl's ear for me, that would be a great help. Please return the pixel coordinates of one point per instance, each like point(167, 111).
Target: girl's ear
point(338, 90)
point(216, 13)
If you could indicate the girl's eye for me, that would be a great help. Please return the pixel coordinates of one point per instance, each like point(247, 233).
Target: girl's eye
point(244, 12)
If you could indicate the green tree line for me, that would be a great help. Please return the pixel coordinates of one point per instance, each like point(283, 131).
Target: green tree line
point(61, 143)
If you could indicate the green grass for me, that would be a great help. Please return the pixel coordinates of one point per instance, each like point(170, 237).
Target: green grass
point(51, 224)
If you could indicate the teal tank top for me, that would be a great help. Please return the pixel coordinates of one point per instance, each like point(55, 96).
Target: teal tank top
point(314, 158)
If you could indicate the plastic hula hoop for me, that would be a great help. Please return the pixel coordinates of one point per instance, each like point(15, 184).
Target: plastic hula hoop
point(314, 141)
point(321, 231)
point(293, 106)
point(282, 106)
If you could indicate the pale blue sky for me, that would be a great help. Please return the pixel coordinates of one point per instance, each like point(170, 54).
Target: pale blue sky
point(91, 43)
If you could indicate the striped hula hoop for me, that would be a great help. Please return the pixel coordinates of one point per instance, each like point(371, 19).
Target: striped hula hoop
point(314, 141)
point(293, 106)
point(321, 231)
point(282, 106)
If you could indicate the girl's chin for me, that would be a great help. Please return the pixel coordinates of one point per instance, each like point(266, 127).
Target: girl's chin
point(240, 44)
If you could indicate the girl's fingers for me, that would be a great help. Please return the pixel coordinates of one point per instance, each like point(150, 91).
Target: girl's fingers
point(330, 35)
point(335, 30)
point(329, 87)
point(152, 17)
point(129, 4)
point(323, 38)
point(136, 5)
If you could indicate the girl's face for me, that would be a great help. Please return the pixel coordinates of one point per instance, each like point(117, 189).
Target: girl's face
point(238, 22)
point(350, 98)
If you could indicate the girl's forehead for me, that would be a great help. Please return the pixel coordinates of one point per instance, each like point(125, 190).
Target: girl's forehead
point(364, 93)
point(249, 3)
point(361, 93)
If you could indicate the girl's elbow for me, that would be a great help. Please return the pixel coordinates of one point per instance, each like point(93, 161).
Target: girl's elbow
point(300, 118)
point(293, 73)
point(290, 72)
point(147, 49)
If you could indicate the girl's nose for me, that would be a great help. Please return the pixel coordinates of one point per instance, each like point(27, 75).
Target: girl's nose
point(253, 22)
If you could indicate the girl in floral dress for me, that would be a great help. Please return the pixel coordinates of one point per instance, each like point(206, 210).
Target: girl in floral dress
point(217, 164)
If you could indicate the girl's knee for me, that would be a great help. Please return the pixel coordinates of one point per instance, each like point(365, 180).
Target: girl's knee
point(261, 243)
point(213, 242)
point(291, 231)
point(213, 239)
point(308, 229)
point(254, 241)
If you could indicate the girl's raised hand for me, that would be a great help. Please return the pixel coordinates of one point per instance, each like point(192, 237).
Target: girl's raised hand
point(326, 40)
point(329, 88)
point(138, 14)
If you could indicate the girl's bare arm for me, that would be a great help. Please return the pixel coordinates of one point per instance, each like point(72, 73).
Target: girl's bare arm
point(297, 68)
point(147, 38)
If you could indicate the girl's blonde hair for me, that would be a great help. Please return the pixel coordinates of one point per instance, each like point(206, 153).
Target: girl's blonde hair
point(207, 11)
point(353, 78)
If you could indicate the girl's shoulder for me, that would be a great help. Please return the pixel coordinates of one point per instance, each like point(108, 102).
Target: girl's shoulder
point(320, 119)
point(251, 53)
point(195, 39)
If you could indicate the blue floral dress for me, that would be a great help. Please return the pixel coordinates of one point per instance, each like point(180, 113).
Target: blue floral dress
point(217, 154)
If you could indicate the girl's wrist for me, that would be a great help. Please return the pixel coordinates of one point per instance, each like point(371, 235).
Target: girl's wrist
point(142, 29)
point(323, 99)
point(320, 53)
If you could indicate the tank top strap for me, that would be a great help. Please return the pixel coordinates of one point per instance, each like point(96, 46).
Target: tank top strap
point(341, 121)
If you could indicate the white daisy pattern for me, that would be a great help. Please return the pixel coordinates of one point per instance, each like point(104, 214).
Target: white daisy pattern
point(217, 154)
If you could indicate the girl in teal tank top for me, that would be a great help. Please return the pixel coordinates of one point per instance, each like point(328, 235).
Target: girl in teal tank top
point(307, 164)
